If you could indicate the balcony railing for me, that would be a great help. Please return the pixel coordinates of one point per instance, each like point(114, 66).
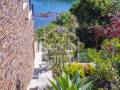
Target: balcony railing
point(31, 7)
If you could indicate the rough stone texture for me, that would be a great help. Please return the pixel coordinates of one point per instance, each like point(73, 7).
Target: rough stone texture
point(16, 46)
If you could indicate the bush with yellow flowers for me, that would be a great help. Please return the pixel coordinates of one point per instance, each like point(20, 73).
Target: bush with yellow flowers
point(84, 69)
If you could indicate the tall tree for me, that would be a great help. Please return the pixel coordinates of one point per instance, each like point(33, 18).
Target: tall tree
point(92, 12)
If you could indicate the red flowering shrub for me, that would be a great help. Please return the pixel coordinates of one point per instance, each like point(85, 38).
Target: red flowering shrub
point(111, 30)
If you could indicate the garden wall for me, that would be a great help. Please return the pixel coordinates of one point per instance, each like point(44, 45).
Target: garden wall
point(16, 45)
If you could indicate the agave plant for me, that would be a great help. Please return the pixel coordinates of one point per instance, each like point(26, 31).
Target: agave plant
point(63, 82)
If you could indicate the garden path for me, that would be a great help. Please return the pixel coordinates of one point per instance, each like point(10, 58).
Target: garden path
point(43, 77)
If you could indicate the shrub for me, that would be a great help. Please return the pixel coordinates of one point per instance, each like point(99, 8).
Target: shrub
point(93, 37)
point(72, 68)
point(84, 69)
point(83, 57)
point(106, 63)
point(109, 30)
point(112, 46)
point(103, 63)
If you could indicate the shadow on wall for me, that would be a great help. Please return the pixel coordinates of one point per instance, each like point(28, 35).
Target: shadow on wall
point(18, 85)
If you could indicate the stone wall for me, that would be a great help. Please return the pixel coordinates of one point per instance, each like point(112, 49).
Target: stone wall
point(16, 45)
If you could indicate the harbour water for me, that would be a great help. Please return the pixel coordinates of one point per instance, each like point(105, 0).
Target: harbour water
point(45, 6)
